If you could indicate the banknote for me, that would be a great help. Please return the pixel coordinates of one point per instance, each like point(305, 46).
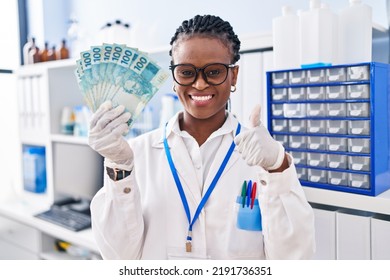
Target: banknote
point(122, 74)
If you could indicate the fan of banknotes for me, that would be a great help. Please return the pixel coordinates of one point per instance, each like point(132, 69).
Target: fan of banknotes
point(121, 74)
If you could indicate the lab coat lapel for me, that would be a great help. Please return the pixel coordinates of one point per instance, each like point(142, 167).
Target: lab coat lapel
point(185, 169)
point(219, 157)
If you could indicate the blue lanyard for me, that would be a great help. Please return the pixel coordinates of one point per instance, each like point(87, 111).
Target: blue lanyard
point(209, 191)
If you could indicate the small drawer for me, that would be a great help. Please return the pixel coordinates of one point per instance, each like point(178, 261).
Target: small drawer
point(302, 173)
point(337, 109)
point(358, 91)
point(280, 78)
point(298, 157)
point(316, 159)
point(294, 110)
point(359, 180)
point(316, 110)
point(317, 176)
point(283, 139)
point(359, 163)
point(297, 77)
point(316, 126)
point(359, 145)
point(336, 92)
point(358, 73)
point(298, 93)
point(297, 142)
point(338, 178)
point(316, 93)
point(358, 110)
point(316, 76)
point(19, 234)
point(277, 110)
point(279, 94)
point(336, 144)
point(337, 74)
point(316, 143)
point(359, 127)
point(279, 125)
point(337, 161)
point(297, 125)
point(336, 127)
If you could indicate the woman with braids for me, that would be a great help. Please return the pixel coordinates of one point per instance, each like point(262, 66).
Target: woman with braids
point(203, 186)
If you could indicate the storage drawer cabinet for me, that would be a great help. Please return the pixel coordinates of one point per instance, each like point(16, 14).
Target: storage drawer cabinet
point(335, 119)
point(380, 237)
point(18, 241)
point(325, 225)
point(353, 236)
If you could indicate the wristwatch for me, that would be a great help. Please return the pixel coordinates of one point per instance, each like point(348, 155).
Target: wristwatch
point(117, 174)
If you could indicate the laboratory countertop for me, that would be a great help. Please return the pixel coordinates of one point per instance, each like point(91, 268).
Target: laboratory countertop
point(22, 211)
point(379, 204)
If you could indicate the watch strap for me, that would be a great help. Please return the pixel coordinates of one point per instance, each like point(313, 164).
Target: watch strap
point(116, 174)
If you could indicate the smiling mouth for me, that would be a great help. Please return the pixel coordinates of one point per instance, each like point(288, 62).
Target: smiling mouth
point(201, 97)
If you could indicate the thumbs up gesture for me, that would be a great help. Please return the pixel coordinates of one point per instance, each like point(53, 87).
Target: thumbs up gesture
point(257, 146)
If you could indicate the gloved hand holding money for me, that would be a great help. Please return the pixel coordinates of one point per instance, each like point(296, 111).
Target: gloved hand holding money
point(124, 75)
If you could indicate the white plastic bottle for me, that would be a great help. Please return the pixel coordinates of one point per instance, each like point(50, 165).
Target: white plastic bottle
point(355, 33)
point(316, 27)
point(285, 37)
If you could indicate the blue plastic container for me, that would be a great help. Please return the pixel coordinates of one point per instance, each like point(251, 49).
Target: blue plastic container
point(34, 169)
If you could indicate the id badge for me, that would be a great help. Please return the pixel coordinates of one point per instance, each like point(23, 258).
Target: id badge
point(178, 254)
point(248, 218)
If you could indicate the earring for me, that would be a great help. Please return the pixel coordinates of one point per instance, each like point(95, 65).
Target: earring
point(233, 88)
point(174, 88)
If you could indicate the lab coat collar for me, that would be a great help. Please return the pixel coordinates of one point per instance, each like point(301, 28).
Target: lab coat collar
point(172, 126)
point(181, 159)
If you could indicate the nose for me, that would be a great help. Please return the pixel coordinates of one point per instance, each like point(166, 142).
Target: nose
point(200, 83)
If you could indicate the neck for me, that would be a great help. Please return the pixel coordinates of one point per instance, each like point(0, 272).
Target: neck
point(201, 129)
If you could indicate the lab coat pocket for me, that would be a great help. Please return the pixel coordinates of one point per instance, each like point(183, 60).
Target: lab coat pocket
point(245, 236)
point(248, 216)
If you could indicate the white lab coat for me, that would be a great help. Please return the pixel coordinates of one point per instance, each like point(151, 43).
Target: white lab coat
point(149, 222)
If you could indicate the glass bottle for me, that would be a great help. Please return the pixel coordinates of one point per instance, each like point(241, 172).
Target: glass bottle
point(44, 54)
point(63, 52)
point(33, 54)
point(52, 54)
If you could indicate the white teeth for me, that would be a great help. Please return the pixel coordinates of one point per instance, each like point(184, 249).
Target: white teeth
point(201, 98)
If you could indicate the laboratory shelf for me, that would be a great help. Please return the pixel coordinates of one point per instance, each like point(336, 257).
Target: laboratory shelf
point(334, 120)
point(62, 138)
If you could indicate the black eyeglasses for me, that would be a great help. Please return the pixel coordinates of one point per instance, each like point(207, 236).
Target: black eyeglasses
point(214, 73)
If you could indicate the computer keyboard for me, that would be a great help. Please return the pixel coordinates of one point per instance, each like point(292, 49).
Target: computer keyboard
point(66, 218)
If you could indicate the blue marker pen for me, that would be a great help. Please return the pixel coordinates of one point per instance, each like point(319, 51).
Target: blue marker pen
point(248, 193)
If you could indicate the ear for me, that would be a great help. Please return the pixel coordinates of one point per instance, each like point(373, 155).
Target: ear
point(235, 74)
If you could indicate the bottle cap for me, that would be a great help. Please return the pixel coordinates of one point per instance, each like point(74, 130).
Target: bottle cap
point(287, 10)
point(315, 4)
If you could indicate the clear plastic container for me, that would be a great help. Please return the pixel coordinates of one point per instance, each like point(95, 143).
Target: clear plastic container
point(355, 33)
point(318, 35)
point(317, 176)
point(82, 119)
point(298, 157)
point(285, 34)
point(338, 178)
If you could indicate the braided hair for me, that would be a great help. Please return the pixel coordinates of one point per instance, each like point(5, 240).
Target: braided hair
point(210, 26)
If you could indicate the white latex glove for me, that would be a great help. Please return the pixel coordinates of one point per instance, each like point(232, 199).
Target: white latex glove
point(257, 146)
point(107, 127)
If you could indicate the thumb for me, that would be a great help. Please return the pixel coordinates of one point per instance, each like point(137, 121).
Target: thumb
point(254, 118)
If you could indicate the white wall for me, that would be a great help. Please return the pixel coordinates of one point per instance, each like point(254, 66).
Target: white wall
point(9, 59)
point(154, 22)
